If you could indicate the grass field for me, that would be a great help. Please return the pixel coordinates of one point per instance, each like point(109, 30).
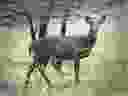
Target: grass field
point(95, 72)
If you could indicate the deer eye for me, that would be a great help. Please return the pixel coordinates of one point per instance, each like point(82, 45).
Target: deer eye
point(87, 18)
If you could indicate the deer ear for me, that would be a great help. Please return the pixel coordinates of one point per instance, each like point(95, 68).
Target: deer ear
point(103, 18)
point(87, 19)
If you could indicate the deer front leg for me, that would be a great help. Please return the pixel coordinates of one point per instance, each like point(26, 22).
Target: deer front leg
point(28, 76)
point(30, 70)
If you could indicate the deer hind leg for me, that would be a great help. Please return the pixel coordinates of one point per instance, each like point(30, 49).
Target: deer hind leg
point(57, 65)
point(42, 72)
point(77, 69)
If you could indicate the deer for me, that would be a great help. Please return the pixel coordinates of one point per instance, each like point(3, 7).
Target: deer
point(63, 48)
